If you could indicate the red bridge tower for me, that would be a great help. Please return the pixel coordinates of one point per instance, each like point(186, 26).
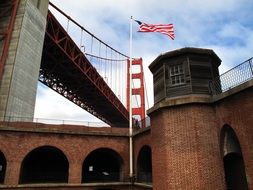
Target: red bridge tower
point(138, 111)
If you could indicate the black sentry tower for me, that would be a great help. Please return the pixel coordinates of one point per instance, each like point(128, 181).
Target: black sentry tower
point(184, 71)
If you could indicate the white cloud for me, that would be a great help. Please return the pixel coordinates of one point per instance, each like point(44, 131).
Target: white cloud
point(224, 26)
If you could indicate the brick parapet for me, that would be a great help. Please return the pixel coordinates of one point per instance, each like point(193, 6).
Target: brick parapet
point(33, 127)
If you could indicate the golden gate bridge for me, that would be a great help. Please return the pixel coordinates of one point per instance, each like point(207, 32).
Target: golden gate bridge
point(90, 73)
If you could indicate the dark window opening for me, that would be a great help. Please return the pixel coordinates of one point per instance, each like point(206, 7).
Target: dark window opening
point(144, 165)
point(2, 167)
point(44, 165)
point(102, 165)
point(234, 172)
point(234, 168)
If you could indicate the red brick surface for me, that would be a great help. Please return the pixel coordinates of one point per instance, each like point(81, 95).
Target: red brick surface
point(16, 145)
point(185, 144)
point(186, 149)
point(237, 112)
point(76, 187)
point(140, 140)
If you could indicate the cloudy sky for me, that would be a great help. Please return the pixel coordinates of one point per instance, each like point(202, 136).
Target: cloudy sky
point(225, 26)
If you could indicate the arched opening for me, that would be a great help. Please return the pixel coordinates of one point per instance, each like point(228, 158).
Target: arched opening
point(44, 165)
point(2, 167)
point(102, 165)
point(144, 165)
point(234, 168)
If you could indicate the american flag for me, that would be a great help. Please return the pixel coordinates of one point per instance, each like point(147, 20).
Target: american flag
point(166, 29)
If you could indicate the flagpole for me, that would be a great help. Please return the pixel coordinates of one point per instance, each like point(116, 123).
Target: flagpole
point(130, 104)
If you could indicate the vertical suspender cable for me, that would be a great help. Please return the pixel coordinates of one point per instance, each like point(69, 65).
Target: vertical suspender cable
point(115, 72)
point(91, 48)
point(99, 59)
point(81, 40)
point(67, 29)
point(106, 63)
point(117, 75)
point(111, 71)
point(145, 87)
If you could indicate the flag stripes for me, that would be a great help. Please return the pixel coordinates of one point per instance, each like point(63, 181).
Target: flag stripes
point(167, 29)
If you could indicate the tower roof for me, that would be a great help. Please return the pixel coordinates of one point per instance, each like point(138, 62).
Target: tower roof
point(185, 50)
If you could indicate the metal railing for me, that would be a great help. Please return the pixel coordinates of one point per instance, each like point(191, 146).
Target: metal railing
point(142, 123)
point(233, 77)
point(138, 124)
point(53, 121)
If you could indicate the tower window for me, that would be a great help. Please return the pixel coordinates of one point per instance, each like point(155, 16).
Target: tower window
point(177, 76)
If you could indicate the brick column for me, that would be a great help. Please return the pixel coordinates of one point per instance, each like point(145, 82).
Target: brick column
point(75, 172)
point(12, 172)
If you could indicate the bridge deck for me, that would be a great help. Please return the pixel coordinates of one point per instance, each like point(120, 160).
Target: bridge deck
point(65, 69)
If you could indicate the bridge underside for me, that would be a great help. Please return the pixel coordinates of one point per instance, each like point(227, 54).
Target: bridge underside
point(66, 70)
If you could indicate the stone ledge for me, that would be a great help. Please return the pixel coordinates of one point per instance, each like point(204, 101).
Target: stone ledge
point(181, 100)
point(149, 186)
point(73, 186)
point(62, 129)
point(66, 185)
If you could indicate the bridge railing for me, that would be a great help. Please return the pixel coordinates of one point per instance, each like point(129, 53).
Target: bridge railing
point(53, 121)
point(233, 77)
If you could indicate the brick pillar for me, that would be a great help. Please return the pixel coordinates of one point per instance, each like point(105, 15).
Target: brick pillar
point(75, 173)
point(12, 172)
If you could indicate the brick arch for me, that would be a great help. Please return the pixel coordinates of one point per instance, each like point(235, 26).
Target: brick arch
point(102, 164)
point(144, 164)
point(141, 145)
point(140, 140)
point(37, 146)
point(228, 135)
point(234, 168)
point(28, 147)
point(102, 147)
point(44, 164)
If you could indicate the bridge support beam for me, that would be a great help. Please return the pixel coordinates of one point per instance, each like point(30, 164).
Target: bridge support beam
point(139, 111)
point(18, 84)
